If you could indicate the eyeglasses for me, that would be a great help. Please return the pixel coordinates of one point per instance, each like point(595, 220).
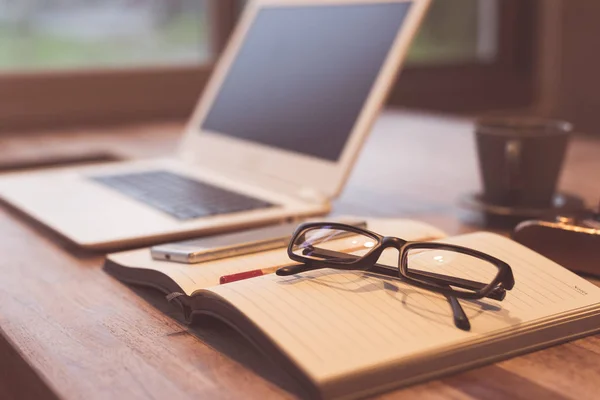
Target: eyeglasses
point(454, 271)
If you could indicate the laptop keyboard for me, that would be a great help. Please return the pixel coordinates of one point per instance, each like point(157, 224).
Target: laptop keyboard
point(179, 196)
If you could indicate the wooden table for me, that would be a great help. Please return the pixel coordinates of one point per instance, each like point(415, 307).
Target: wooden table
point(70, 331)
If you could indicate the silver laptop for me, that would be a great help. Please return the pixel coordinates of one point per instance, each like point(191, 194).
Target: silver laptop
point(272, 139)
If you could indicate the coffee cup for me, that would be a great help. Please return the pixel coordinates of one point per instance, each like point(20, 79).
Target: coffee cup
point(520, 159)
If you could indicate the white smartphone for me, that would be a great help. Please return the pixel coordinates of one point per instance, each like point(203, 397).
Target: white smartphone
point(231, 244)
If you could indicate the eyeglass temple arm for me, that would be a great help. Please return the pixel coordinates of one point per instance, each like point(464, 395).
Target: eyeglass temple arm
point(295, 269)
point(461, 321)
point(496, 294)
point(443, 280)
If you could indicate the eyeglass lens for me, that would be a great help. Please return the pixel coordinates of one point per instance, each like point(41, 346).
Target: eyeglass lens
point(452, 264)
point(327, 243)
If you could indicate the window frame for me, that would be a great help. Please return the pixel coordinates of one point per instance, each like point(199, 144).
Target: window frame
point(507, 82)
point(111, 96)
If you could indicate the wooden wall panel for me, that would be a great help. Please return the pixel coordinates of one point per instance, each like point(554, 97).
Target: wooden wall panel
point(569, 65)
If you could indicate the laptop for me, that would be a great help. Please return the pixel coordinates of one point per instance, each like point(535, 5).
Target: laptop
point(272, 139)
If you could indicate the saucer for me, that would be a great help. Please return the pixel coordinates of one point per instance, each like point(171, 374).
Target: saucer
point(561, 203)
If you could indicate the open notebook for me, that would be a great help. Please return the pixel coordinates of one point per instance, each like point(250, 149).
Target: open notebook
point(350, 334)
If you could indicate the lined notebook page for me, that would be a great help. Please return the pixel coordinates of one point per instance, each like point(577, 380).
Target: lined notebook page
point(333, 323)
point(193, 277)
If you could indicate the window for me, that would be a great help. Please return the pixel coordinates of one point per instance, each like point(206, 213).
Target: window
point(38, 35)
point(458, 31)
point(105, 61)
point(471, 56)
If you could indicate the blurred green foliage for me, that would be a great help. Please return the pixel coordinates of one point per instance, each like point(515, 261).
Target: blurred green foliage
point(448, 35)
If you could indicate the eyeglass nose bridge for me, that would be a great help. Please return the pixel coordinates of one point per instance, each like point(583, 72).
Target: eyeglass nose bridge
point(392, 241)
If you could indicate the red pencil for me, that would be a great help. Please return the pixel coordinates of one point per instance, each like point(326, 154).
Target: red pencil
point(247, 274)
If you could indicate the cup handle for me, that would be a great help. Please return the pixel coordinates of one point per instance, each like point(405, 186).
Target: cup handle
point(513, 151)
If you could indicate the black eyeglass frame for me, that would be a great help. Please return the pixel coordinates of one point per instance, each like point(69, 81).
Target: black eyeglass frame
point(503, 280)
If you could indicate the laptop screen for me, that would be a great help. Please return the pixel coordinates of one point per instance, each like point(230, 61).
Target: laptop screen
point(302, 75)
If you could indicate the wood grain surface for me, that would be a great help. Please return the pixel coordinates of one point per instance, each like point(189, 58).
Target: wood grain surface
point(70, 331)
